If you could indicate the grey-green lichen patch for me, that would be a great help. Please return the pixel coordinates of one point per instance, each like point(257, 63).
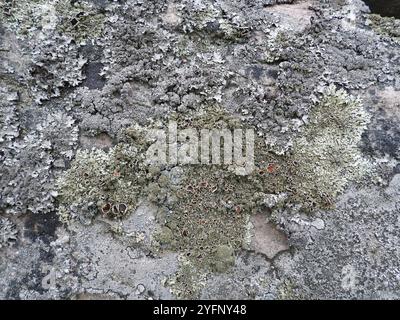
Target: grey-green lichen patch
point(211, 20)
point(51, 50)
point(109, 182)
point(211, 207)
point(386, 26)
point(208, 214)
point(102, 182)
point(27, 16)
point(188, 281)
point(326, 156)
point(8, 233)
point(206, 221)
point(79, 19)
point(207, 210)
point(246, 58)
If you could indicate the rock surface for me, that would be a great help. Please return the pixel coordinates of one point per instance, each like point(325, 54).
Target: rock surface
point(82, 216)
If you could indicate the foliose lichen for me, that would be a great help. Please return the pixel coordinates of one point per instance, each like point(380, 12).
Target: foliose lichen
point(386, 26)
point(8, 233)
point(326, 155)
point(31, 159)
point(79, 19)
point(208, 208)
point(100, 182)
point(165, 60)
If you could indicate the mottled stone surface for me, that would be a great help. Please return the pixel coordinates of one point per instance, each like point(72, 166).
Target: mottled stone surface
point(82, 216)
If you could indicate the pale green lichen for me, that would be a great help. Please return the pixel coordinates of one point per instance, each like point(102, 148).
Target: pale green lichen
point(206, 211)
point(209, 19)
point(326, 156)
point(287, 291)
point(107, 180)
point(78, 19)
point(26, 16)
point(210, 206)
point(188, 282)
point(386, 26)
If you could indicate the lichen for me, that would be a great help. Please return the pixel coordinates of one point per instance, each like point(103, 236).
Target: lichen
point(50, 49)
point(8, 233)
point(326, 156)
point(79, 19)
point(226, 64)
point(208, 208)
point(287, 290)
point(27, 177)
point(102, 182)
point(386, 26)
point(188, 282)
point(212, 21)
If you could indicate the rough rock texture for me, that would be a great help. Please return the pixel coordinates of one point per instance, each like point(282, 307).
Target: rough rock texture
point(84, 216)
